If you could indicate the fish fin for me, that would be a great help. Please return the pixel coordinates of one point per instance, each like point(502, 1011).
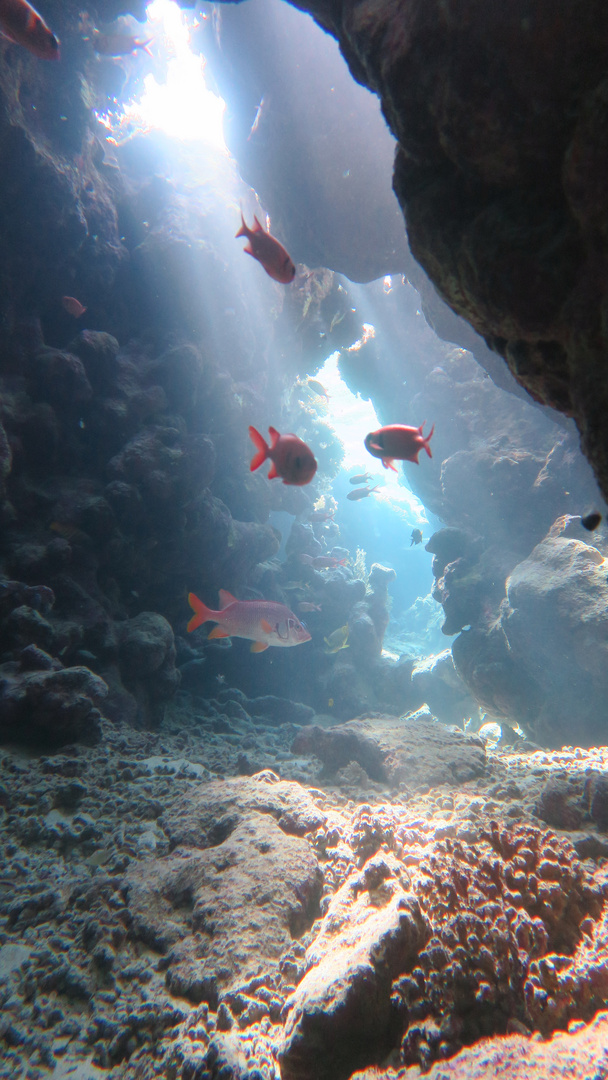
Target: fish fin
point(257, 227)
point(274, 437)
point(388, 463)
point(427, 440)
point(244, 229)
point(226, 598)
point(272, 475)
point(201, 612)
point(266, 627)
point(261, 447)
point(217, 632)
point(259, 646)
point(249, 251)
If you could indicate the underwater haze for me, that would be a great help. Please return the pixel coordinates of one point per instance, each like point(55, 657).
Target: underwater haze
point(303, 597)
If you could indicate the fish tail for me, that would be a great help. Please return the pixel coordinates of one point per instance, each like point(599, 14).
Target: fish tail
point(261, 447)
point(427, 441)
point(201, 612)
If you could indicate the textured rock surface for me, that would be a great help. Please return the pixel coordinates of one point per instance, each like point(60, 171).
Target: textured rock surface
point(405, 752)
point(157, 919)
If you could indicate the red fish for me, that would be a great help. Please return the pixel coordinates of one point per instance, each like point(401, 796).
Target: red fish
point(118, 44)
point(322, 562)
point(361, 493)
point(73, 306)
point(277, 262)
point(21, 24)
point(261, 621)
point(291, 458)
point(398, 443)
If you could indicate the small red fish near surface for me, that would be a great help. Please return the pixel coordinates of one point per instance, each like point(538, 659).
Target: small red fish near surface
point(73, 306)
point(361, 493)
point(291, 458)
point(118, 44)
point(322, 562)
point(21, 24)
point(262, 621)
point(276, 261)
point(398, 443)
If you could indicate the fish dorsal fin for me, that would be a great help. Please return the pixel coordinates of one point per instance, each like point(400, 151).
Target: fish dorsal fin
point(274, 437)
point(226, 598)
point(259, 646)
point(257, 227)
point(273, 472)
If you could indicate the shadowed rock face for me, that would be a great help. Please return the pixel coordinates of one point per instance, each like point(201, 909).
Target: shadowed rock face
point(499, 171)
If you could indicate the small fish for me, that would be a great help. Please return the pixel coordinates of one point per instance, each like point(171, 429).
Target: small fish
point(318, 388)
point(307, 605)
point(70, 532)
point(21, 24)
point(276, 261)
point(294, 586)
point(330, 702)
point(73, 306)
point(291, 458)
point(591, 521)
point(361, 493)
point(336, 641)
point(416, 536)
point(396, 442)
point(322, 562)
point(262, 621)
point(118, 44)
point(360, 478)
point(321, 515)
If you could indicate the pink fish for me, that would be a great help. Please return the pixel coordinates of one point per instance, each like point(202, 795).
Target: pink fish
point(118, 44)
point(322, 562)
point(21, 24)
point(291, 458)
point(261, 621)
point(397, 442)
point(269, 252)
point(73, 306)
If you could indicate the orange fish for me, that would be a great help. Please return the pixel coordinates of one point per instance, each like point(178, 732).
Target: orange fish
point(291, 458)
point(262, 246)
point(262, 621)
point(398, 443)
point(118, 44)
point(73, 306)
point(21, 24)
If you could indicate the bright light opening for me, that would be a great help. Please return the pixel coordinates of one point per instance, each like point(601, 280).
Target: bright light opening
point(182, 106)
point(351, 418)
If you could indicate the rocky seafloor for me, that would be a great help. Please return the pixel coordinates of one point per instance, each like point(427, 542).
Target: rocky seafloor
point(229, 897)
